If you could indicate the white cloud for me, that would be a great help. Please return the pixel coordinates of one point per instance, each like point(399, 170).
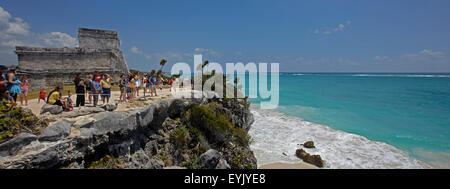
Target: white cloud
point(426, 52)
point(4, 18)
point(59, 39)
point(206, 51)
point(18, 27)
point(347, 61)
point(382, 59)
point(328, 31)
point(16, 32)
point(427, 56)
point(135, 50)
point(11, 43)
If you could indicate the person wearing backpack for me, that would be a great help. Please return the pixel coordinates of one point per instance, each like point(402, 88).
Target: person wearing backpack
point(153, 87)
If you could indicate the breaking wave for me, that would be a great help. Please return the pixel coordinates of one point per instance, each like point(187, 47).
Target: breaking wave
point(274, 133)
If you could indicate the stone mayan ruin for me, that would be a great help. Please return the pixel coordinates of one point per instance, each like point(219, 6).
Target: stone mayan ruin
point(99, 50)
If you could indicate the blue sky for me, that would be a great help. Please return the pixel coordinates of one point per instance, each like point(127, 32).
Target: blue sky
point(303, 36)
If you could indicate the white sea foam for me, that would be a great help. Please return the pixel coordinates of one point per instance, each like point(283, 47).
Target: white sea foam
point(274, 133)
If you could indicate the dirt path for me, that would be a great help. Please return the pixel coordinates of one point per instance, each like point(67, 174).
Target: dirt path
point(36, 107)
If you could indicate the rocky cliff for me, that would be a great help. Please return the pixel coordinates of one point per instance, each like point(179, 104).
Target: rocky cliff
point(180, 133)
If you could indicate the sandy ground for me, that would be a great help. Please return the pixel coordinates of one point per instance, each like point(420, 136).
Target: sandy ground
point(36, 107)
point(279, 165)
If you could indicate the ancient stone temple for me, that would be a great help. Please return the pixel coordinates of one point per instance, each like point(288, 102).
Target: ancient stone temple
point(99, 50)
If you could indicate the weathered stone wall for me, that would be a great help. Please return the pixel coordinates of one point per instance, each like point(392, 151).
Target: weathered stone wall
point(64, 59)
point(98, 51)
point(98, 39)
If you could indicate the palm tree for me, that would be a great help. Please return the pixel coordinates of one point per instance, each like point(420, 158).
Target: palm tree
point(162, 63)
point(205, 63)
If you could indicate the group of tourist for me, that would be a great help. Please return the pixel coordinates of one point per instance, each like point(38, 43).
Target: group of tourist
point(131, 84)
point(92, 86)
point(11, 87)
point(87, 89)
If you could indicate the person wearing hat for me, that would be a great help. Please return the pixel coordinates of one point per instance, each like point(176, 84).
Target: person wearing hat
point(105, 84)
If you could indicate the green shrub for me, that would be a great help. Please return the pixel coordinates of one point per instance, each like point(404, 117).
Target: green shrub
point(214, 124)
point(14, 120)
point(107, 162)
point(180, 136)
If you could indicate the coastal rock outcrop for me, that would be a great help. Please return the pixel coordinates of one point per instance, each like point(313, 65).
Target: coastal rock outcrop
point(109, 107)
point(12, 146)
point(56, 131)
point(167, 133)
point(209, 159)
point(309, 144)
point(312, 159)
point(53, 109)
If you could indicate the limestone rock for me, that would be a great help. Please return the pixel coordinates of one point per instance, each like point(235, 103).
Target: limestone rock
point(223, 164)
point(146, 115)
point(53, 109)
point(309, 144)
point(12, 146)
point(109, 122)
point(140, 160)
point(209, 159)
point(56, 131)
point(176, 107)
point(109, 107)
point(157, 163)
point(312, 159)
point(83, 111)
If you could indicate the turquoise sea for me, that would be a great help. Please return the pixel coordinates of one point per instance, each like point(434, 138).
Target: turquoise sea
point(410, 112)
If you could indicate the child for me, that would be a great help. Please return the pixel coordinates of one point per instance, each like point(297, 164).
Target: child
point(69, 106)
point(24, 87)
point(42, 95)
